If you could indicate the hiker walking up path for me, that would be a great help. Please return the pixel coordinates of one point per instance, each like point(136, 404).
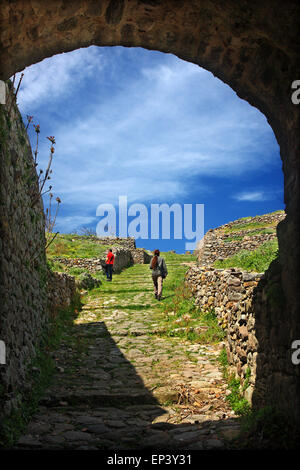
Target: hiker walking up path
point(109, 263)
point(159, 272)
point(121, 383)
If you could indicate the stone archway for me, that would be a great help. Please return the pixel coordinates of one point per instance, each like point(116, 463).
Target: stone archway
point(252, 45)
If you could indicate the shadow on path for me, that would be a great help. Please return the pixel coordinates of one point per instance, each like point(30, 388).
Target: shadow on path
point(97, 400)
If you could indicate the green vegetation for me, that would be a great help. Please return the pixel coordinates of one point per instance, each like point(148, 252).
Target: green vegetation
point(237, 402)
point(257, 260)
point(76, 271)
point(268, 428)
point(223, 359)
point(74, 246)
point(254, 224)
point(176, 257)
point(177, 315)
point(234, 238)
point(264, 428)
point(55, 265)
point(184, 319)
point(248, 226)
point(180, 315)
point(39, 374)
point(264, 231)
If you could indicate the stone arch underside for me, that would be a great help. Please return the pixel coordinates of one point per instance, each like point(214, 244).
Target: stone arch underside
point(252, 45)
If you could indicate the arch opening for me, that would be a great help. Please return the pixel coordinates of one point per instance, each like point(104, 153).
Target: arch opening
point(138, 116)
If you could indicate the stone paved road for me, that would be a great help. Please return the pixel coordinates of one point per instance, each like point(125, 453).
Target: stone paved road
point(119, 387)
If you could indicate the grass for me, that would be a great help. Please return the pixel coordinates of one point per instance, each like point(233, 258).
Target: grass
point(74, 246)
point(248, 226)
point(257, 260)
point(236, 400)
point(76, 271)
point(177, 315)
point(170, 257)
point(236, 238)
point(182, 318)
point(55, 266)
point(258, 227)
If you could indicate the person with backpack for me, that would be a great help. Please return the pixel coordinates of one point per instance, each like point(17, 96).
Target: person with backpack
point(159, 272)
point(109, 263)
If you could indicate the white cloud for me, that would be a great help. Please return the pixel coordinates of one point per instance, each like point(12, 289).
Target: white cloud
point(171, 76)
point(134, 154)
point(255, 196)
point(56, 76)
point(156, 129)
point(71, 223)
point(87, 191)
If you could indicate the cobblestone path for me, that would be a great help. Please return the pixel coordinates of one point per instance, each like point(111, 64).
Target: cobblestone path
point(120, 384)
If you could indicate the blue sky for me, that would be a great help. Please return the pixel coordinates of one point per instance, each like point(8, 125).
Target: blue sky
point(144, 124)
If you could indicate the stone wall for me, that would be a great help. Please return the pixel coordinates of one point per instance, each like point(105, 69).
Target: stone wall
point(140, 256)
point(23, 271)
point(249, 307)
point(89, 264)
point(230, 293)
point(61, 289)
point(216, 244)
point(126, 243)
point(124, 257)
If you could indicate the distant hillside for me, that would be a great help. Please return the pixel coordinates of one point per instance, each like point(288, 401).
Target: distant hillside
point(74, 246)
point(249, 243)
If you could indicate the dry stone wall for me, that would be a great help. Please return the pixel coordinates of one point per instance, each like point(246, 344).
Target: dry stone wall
point(217, 243)
point(23, 270)
point(230, 293)
point(90, 264)
point(250, 307)
point(124, 257)
point(140, 256)
point(62, 289)
point(126, 243)
point(29, 293)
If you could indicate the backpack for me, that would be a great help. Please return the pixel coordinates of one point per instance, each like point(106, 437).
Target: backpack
point(160, 268)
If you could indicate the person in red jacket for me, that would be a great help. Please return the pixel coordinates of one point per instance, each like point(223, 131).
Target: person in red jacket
point(109, 262)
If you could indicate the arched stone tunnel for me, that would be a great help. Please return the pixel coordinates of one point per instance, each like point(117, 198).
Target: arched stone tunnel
point(252, 45)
